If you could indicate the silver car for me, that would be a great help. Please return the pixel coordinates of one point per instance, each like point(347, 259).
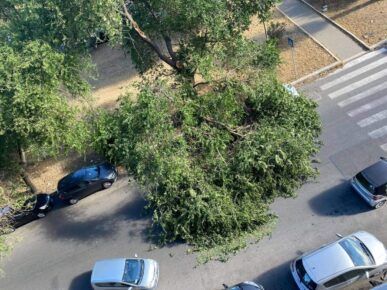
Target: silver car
point(119, 274)
point(358, 256)
point(371, 183)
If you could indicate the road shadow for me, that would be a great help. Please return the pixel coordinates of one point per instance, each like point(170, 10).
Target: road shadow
point(81, 282)
point(339, 200)
point(68, 222)
point(278, 278)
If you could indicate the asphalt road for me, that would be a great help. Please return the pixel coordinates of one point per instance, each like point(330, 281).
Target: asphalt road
point(58, 252)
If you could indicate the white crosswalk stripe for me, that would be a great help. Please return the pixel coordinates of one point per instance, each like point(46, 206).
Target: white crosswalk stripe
point(365, 57)
point(378, 132)
point(355, 73)
point(358, 84)
point(365, 84)
point(373, 119)
point(363, 95)
point(369, 106)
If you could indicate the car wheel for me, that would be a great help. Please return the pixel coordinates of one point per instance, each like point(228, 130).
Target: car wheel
point(73, 201)
point(41, 215)
point(106, 184)
point(380, 204)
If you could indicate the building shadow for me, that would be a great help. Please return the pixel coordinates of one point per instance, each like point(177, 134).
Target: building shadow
point(340, 200)
point(81, 282)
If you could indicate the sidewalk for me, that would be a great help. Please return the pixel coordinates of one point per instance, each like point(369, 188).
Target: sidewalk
point(339, 43)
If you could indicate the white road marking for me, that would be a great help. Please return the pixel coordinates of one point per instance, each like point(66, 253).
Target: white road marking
point(365, 57)
point(363, 95)
point(368, 106)
point(384, 147)
point(358, 84)
point(373, 119)
point(354, 73)
point(378, 132)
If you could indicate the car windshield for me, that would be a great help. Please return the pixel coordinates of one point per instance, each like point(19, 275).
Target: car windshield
point(133, 271)
point(357, 251)
point(304, 276)
point(365, 183)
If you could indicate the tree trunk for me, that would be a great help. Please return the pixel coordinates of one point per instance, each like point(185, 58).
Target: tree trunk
point(23, 173)
point(264, 27)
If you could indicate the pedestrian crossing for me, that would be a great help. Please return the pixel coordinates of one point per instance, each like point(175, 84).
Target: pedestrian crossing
point(360, 89)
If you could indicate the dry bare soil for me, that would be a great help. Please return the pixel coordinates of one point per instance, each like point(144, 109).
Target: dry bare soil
point(308, 55)
point(367, 19)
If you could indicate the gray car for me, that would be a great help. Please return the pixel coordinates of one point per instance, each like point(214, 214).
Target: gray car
point(371, 183)
point(120, 274)
point(358, 256)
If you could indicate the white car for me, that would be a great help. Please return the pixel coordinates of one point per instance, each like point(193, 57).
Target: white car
point(125, 274)
point(358, 256)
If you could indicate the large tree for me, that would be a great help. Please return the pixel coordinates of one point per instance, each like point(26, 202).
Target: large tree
point(214, 138)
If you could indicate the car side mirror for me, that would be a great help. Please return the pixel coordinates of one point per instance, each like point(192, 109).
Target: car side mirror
point(130, 288)
point(225, 286)
point(339, 236)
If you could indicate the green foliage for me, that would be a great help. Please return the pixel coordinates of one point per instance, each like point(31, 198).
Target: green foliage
point(211, 163)
point(35, 114)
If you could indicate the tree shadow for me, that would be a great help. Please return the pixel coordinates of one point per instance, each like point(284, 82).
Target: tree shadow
point(67, 223)
point(81, 282)
point(340, 200)
point(278, 278)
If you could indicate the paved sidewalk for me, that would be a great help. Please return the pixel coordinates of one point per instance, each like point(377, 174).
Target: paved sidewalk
point(339, 43)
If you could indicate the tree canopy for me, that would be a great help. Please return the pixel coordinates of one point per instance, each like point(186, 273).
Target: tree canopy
point(213, 138)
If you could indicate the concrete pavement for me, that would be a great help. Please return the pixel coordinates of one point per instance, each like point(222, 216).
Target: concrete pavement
point(334, 39)
point(58, 252)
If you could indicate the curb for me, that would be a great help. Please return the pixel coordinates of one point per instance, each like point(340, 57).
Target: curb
point(317, 72)
point(380, 44)
point(350, 34)
point(309, 35)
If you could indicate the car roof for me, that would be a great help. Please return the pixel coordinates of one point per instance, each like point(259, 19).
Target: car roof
point(376, 173)
point(106, 271)
point(326, 262)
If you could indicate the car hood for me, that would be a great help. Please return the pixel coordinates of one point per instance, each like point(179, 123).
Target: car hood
point(151, 274)
point(106, 170)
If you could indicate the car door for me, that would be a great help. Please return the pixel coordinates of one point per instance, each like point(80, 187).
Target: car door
point(345, 279)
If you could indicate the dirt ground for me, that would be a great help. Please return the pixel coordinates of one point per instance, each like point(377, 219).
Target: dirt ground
point(116, 74)
point(308, 55)
point(367, 19)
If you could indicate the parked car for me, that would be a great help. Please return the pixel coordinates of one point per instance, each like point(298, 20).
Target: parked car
point(125, 274)
point(86, 181)
point(371, 183)
point(358, 256)
point(247, 285)
point(37, 206)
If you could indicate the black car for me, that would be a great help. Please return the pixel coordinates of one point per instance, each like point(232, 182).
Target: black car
point(86, 181)
point(248, 285)
point(37, 206)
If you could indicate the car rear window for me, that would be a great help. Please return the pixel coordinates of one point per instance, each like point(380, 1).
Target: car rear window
point(365, 183)
point(133, 271)
point(305, 278)
point(357, 251)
